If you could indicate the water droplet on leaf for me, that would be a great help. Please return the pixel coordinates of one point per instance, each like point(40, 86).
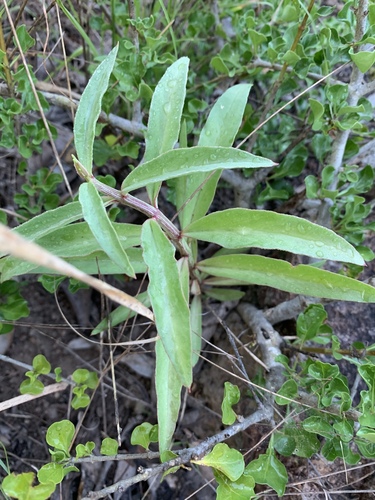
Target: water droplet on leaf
point(167, 107)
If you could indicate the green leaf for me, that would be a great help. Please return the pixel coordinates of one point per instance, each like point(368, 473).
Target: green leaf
point(220, 129)
point(304, 280)
point(318, 425)
point(219, 65)
point(240, 227)
point(306, 443)
point(20, 486)
point(267, 469)
point(84, 376)
point(109, 447)
point(231, 397)
point(41, 365)
point(284, 444)
point(323, 371)
point(80, 400)
point(367, 372)
point(51, 473)
point(363, 60)
point(143, 435)
point(26, 41)
point(336, 448)
point(312, 186)
point(242, 489)
point(185, 161)
point(89, 108)
point(85, 450)
point(77, 240)
point(171, 310)
point(345, 430)
point(310, 321)
point(168, 390)
point(223, 295)
point(196, 328)
point(366, 448)
point(289, 389)
point(166, 108)
point(224, 459)
point(366, 433)
point(102, 228)
point(184, 273)
point(318, 111)
point(60, 435)
point(120, 314)
point(31, 386)
point(58, 373)
point(90, 264)
point(291, 58)
point(48, 222)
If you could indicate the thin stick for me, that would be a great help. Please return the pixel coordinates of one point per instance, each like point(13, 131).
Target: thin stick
point(25, 398)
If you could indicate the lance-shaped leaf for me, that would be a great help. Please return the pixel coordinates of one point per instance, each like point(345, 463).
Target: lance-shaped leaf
point(167, 298)
point(43, 224)
point(77, 240)
point(101, 227)
point(304, 280)
point(168, 390)
point(165, 115)
point(184, 161)
point(240, 227)
point(196, 328)
point(18, 246)
point(120, 314)
point(220, 129)
point(95, 263)
point(89, 110)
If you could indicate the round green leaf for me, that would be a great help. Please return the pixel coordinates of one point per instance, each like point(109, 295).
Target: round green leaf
point(226, 460)
point(51, 473)
point(267, 469)
point(60, 435)
point(142, 435)
point(20, 486)
point(41, 365)
point(109, 447)
point(31, 386)
point(242, 489)
point(363, 60)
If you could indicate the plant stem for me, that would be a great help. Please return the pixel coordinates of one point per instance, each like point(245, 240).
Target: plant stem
point(148, 210)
